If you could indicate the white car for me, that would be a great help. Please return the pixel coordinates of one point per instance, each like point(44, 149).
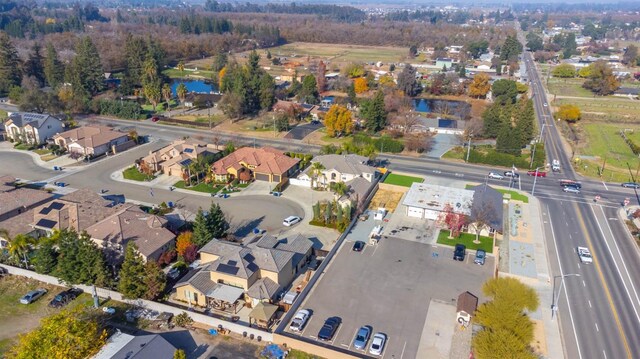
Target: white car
point(495, 175)
point(377, 344)
point(585, 255)
point(291, 220)
point(570, 189)
point(299, 320)
point(545, 104)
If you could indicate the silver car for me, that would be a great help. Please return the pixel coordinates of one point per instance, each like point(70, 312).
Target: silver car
point(377, 344)
point(570, 189)
point(495, 175)
point(300, 319)
point(32, 296)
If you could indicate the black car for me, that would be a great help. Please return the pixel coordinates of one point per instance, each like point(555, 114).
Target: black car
point(630, 185)
point(358, 246)
point(511, 174)
point(65, 297)
point(459, 252)
point(329, 328)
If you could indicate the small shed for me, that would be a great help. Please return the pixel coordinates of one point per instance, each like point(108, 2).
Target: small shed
point(262, 315)
point(467, 305)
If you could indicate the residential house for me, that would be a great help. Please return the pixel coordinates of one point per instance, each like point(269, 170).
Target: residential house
point(125, 346)
point(90, 140)
point(337, 168)
point(174, 160)
point(429, 201)
point(291, 109)
point(32, 128)
point(147, 231)
point(264, 164)
point(256, 272)
point(77, 211)
point(445, 62)
point(201, 100)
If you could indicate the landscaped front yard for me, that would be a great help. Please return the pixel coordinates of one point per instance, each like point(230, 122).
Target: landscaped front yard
point(132, 173)
point(201, 187)
point(467, 239)
point(402, 180)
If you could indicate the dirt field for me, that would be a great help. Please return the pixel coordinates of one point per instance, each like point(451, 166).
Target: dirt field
point(386, 199)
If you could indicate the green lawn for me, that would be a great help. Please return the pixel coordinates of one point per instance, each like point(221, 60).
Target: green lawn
point(176, 74)
point(297, 354)
point(42, 151)
point(514, 195)
point(202, 187)
point(568, 87)
point(402, 180)
point(23, 146)
point(467, 239)
point(133, 174)
point(3, 114)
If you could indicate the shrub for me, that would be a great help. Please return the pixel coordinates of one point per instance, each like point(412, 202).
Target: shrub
point(183, 320)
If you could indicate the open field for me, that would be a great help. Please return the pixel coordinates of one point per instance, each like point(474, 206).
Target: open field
point(342, 53)
point(610, 108)
point(568, 87)
point(386, 199)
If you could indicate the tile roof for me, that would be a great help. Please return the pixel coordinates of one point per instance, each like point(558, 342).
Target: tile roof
point(24, 198)
point(22, 119)
point(125, 346)
point(90, 136)
point(350, 164)
point(263, 288)
point(265, 160)
point(179, 146)
point(6, 183)
point(132, 224)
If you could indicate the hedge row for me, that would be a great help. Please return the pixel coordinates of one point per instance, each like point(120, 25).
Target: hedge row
point(492, 157)
point(632, 145)
point(122, 109)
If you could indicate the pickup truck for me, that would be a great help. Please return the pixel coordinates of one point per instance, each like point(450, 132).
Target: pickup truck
point(585, 255)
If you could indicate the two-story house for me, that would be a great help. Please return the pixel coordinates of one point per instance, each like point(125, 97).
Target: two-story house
point(174, 159)
point(246, 163)
point(31, 128)
point(256, 272)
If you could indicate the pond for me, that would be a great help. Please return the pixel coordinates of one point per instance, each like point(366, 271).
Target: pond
point(455, 108)
point(196, 86)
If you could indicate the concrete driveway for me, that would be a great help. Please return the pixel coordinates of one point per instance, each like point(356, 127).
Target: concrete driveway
point(442, 142)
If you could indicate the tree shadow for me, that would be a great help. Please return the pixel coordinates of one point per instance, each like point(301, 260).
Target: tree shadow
point(183, 339)
point(246, 227)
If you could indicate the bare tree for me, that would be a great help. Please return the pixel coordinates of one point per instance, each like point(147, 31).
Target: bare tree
point(483, 214)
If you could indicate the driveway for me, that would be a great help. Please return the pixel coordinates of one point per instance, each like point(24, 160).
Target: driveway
point(442, 142)
point(301, 131)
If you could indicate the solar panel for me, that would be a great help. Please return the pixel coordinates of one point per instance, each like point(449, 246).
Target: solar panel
point(232, 263)
point(227, 269)
point(45, 210)
point(45, 223)
point(185, 162)
point(188, 150)
point(56, 205)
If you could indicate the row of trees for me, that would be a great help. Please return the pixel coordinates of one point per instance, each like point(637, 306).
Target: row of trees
point(332, 214)
point(247, 89)
point(599, 76)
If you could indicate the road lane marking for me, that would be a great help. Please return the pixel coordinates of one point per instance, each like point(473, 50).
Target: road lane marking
point(584, 284)
point(607, 293)
point(597, 329)
point(589, 304)
point(566, 292)
point(605, 185)
point(604, 353)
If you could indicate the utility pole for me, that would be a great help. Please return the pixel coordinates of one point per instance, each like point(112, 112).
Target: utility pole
point(469, 148)
point(209, 113)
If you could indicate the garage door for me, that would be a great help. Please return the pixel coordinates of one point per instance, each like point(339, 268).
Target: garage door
point(415, 212)
point(262, 177)
point(429, 214)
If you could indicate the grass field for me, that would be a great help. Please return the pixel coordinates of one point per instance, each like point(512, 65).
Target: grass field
point(133, 174)
point(3, 114)
point(467, 239)
point(201, 187)
point(177, 74)
point(341, 53)
point(402, 180)
point(610, 108)
point(568, 87)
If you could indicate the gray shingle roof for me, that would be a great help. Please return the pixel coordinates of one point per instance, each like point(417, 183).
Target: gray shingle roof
point(487, 198)
point(146, 346)
point(351, 164)
point(200, 279)
point(263, 288)
point(22, 119)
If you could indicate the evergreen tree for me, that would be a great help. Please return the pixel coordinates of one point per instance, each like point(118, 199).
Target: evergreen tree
point(525, 120)
point(201, 235)
point(9, 65)
point(327, 213)
point(339, 213)
point(316, 211)
point(132, 283)
point(309, 91)
point(154, 279)
point(511, 49)
point(351, 93)
point(219, 61)
point(87, 75)
point(267, 93)
point(53, 68)
point(321, 79)
point(34, 66)
point(80, 261)
point(374, 113)
point(134, 54)
point(492, 121)
point(508, 140)
point(217, 224)
point(45, 259)
point(407, 82)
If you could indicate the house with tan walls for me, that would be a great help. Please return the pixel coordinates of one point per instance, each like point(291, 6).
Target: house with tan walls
point(90, 140)
point(247, 163)
point(174, 159)
point(231, 273)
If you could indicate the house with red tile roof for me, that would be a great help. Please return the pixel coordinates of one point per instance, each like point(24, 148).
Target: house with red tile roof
point(263, 164)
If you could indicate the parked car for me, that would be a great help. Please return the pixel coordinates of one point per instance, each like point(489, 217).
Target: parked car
point(299, 320)
point(291, 220)
point(537, 173)
point(155, 119)
point(511, 174)
point(220, 195)
point(495, 175)
point(65, 297)
point(481, 255)
point(32, 296)
point(329, 328)
point(176, 271)
point(362, 338)
point(358, 246)
point(571, 189)
point(630, 185)
point(459, 252)
point(377, 344)
point(363, 217)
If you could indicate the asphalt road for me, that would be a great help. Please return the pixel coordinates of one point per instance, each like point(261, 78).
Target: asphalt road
point(598, 311)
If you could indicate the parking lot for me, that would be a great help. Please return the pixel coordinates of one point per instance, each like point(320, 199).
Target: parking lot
point(389, 287)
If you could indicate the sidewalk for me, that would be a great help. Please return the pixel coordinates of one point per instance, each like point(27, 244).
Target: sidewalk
point(528, 262)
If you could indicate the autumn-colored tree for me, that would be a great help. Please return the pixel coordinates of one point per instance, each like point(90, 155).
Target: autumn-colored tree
point(386, 81)
point(183, 241)
point(338, 121)
point(569, 113)
point(179, 354)
point(454, 221)
point(360, 85)
point(72, 333)
point(564, 71)
point(601, 81)
point(321, 80)
point(221, 74)
point(355, 70)
point(480, 85)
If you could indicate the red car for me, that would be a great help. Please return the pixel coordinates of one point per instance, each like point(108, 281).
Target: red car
point(155, 119)
point(539, 173)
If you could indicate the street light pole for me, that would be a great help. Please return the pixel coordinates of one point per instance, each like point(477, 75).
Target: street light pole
point(535, 178)
point(555, 299)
